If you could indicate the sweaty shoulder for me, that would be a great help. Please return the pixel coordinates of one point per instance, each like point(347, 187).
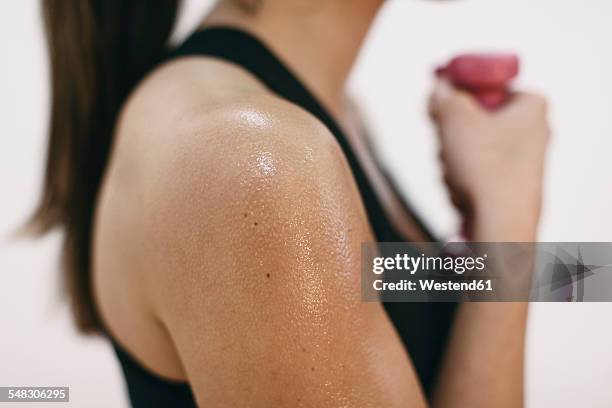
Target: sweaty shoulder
point(223, 116)
point(227, 167)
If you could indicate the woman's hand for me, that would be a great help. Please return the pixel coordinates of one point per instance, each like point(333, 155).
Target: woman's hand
point(493, 161)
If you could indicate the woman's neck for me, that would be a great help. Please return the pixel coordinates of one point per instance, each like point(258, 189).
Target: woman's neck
point(319, 40)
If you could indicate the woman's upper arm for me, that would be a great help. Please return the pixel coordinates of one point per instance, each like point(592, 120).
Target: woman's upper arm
point(258, 271)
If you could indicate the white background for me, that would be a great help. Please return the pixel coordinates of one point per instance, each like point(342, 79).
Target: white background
point(567, 53)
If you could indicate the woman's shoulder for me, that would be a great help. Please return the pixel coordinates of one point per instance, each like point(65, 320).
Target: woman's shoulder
point(202, 131)
point(215, 108)
point(245, 172)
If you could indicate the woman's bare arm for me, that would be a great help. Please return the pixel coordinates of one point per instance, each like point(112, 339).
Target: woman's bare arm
point(259, 278)
point(493, 164)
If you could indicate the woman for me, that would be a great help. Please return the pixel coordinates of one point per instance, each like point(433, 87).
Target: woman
point(216, 240)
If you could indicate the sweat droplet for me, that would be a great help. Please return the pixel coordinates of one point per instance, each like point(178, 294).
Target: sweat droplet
point(254, 118)
point(265, 164)
point(308, 157)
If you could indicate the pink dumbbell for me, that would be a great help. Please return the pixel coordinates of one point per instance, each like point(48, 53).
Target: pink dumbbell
point(486, 76)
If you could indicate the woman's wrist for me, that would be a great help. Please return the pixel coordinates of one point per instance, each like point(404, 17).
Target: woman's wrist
point(515, 221)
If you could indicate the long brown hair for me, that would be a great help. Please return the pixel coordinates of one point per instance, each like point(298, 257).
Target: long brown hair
point(99, 50)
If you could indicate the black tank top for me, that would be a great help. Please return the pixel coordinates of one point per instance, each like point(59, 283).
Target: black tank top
point(422, 327)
